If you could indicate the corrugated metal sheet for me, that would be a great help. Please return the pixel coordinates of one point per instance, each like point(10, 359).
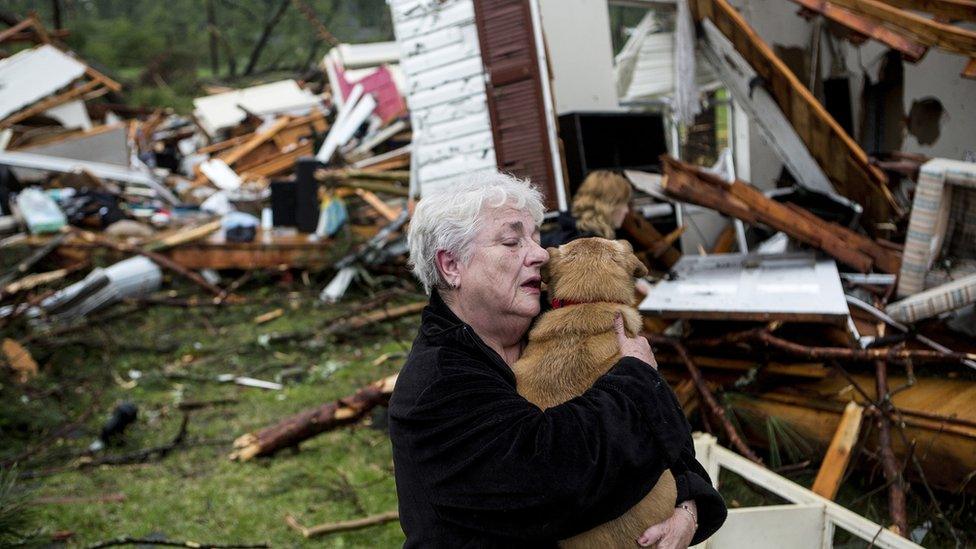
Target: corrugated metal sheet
point(515, 100)
point(34, 74)
point(441, 62)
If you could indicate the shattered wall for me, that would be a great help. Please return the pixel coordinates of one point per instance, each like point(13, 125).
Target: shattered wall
point(931, 85)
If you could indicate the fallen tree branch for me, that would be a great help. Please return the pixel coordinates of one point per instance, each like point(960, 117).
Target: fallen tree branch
point(27, 264)
point(888, 354)
point(734, 438)
point(128, 540)
point(291, 431)
point(892, 473)
point(344, 526)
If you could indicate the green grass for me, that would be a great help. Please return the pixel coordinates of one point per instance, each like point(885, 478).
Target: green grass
point(196, 492)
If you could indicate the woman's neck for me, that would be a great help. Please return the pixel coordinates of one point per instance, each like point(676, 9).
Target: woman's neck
point(504, 335)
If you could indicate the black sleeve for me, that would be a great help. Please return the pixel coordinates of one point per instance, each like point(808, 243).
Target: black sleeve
point(495, 463)
point(693, 483)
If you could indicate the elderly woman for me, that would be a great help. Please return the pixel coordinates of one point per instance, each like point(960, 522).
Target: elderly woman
point(476, 464)
point(599, 207)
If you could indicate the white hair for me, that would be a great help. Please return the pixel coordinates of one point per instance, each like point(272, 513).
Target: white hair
point(448, 219)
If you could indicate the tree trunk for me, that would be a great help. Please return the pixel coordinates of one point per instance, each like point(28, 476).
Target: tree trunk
point(265, 35)
point(214, 45)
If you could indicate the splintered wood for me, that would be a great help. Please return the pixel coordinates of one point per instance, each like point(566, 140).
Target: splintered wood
point(743, 201)
point(838, 455)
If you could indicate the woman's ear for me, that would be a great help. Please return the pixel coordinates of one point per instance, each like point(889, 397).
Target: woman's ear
point(546, 270)
point(449, 267)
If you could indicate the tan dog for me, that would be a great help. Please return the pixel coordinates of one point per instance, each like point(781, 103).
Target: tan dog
point(590, 281)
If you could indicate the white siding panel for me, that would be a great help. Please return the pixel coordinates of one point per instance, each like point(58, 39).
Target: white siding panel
point(430, 58)
point(472, 145)
point(456, 166)
point(445, 90)
point(466, 34)
point(450, 15)
point(453, 129)
point(445, 112)
point(452, 92)
point(434, 78)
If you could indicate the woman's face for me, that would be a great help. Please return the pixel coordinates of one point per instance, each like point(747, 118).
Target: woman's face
point(619, 213)
point(502, 278)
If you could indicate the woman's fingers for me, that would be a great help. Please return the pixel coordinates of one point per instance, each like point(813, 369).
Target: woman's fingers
point(652, 535)
point(636, 347)
point(618, 326)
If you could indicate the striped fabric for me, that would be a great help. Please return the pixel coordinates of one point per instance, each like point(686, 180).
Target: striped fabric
point(930, 215)
point(931, 302)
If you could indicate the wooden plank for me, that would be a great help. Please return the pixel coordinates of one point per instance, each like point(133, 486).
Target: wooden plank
point(648, 237)
point(50, 103)
point(690, 184)
point(970, 70)
point(254, 142)
point(927, 31)
point(12, 31)
point(280, 163)
point(868, 26)
point(838, 455)
point(264, 252)
point(963, 10)
point(370, 198)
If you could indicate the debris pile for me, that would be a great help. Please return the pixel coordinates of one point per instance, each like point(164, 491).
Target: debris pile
point(841, 304)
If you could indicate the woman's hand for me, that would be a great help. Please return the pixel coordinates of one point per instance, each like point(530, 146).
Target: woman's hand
point(674, 533)
point(636, 347)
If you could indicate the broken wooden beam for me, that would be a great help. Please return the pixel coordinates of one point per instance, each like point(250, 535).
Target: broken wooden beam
point(962, 10)
point(649, 238)
point(291, 431)
point(743, 201)
point(842, 160)
point(910, 50)
point(838, 455)
point(928, 31)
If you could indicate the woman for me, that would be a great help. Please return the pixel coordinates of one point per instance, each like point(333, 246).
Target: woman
point(476, 464)
point(599, 207)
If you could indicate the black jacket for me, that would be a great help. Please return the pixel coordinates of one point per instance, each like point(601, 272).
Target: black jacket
point(477, 465)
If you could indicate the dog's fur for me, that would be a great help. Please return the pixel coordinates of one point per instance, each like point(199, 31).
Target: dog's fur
point(570, 347)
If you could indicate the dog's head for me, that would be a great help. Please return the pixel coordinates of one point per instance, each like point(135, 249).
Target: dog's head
point(593, 269)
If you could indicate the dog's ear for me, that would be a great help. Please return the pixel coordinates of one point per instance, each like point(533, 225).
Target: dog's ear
point(636, 266)
point(546, 269)
point(640, 269)
point(625, 246)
